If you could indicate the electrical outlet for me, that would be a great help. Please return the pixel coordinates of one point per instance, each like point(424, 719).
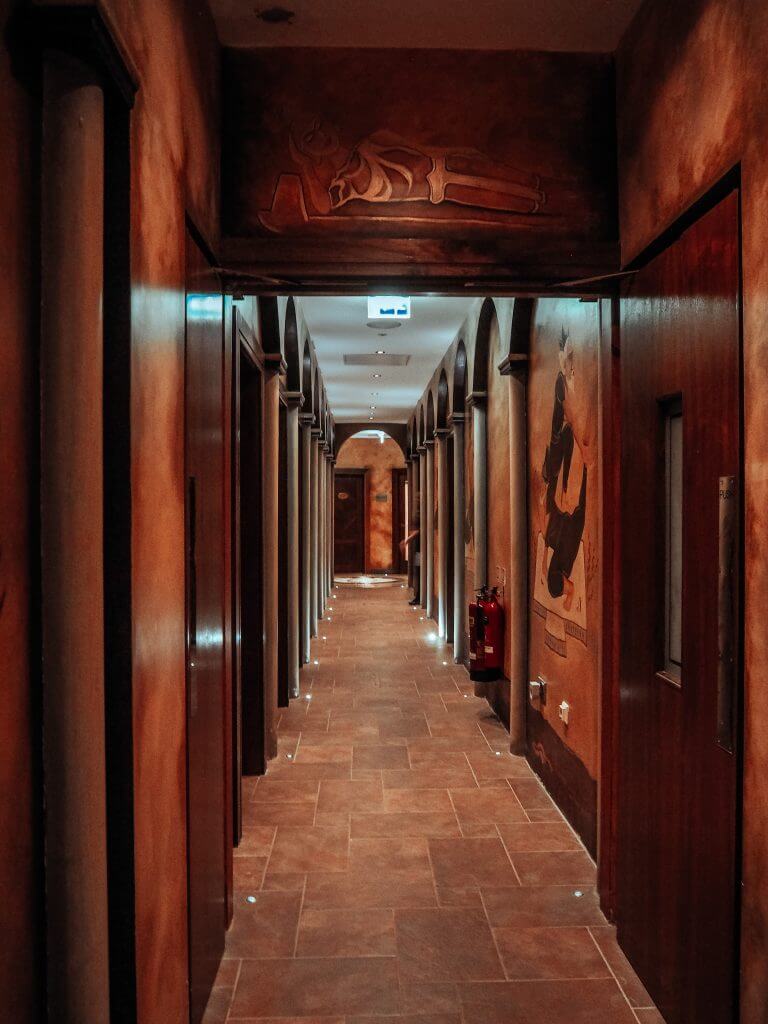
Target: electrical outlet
point(537, 690)
point(564, 711)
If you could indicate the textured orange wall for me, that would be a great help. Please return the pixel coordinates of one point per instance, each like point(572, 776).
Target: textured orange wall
point(379, 459)
point(569, 663)
point(692, 94)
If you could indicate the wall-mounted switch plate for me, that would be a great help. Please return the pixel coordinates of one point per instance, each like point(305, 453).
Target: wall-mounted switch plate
point(537, 690)
point(564, 711)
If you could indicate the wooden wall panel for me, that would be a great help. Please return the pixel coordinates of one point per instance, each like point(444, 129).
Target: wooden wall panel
point(693, 102)
point(22, 969)
point(392, 156)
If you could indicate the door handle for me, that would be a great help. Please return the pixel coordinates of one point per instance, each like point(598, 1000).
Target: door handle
point(727, 610)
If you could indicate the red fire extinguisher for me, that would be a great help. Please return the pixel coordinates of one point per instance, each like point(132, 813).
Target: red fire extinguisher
point(488, 635)
point(476, 650)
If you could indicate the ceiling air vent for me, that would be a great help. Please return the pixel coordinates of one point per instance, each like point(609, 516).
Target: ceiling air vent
point(372, 359)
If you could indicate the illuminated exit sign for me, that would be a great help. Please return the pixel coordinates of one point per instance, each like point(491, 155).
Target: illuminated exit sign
point(389, 307)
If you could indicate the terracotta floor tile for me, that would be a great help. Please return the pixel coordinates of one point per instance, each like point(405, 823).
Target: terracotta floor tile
point(545, 1002)
point(531, 793)
point(340, 796)
point(633, 988)
point(372, 901)
point(538, 954)
point(538, 837)
point(574, 868)
point(314, 987)
point(256, 840)
point(281, 814)
point(463, 863)
point(363, 888)
point(409, 854)
point(445, 945)
point(309, 849)
point(539, 906)
point(333, 933)
point(248, 873)
point(476, 808)
point(404, 824)
point(285, 791)
point(264, 928)
point(419, 801)
point(283, 881)
point(380, 757)
point(429, 778)
point(324, 753)
point(649, 1016)
point(488, 766)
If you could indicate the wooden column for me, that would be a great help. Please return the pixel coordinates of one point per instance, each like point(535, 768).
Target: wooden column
point(72, 494)
point(515, 368)
point(423, 527)
point(315, 521)
point(293, 533)
point(477, 401)
point(270, 492)
point(329, 505)
point(305, 421)
point(429, 553)
point(459, 597)
point(442, 532)
point(411, 499)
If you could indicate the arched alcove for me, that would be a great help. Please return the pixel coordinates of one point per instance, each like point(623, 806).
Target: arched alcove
point(430, 431)
point(422, 433)
point(291, 348)
point(306, 376)
point(442, 401)
point(459, 389)
point(520, 331)
point(485, 325)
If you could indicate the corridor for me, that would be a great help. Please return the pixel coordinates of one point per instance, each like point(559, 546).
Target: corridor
point(398, 863)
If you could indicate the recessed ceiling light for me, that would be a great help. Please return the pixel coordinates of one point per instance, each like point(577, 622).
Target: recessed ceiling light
point(377, 375)
point(373, 407)
point(380, 352)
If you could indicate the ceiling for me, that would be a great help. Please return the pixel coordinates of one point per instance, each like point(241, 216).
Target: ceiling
point(569, 25)
point(338, 328)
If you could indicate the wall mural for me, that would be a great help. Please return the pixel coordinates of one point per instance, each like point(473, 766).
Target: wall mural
point(559, 594)
point(367, 179)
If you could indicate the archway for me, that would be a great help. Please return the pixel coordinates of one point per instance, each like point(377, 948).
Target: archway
point(370, 503)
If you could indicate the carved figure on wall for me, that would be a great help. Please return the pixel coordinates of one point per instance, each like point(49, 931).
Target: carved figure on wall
point(560, 578)
point(384, 170)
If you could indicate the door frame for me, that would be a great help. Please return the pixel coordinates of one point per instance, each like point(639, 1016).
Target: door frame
point(352, 471)
point(611, 430)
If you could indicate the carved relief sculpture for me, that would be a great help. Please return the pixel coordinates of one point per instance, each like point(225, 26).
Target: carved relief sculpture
point(372, 179)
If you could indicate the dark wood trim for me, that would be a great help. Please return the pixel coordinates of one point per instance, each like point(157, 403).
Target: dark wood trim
point(283, 654)
point(610, 413)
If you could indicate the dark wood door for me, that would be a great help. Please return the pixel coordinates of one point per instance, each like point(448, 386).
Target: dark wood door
point(399, 563)
point(678, 826)
point(349, 522)
point(205, 627)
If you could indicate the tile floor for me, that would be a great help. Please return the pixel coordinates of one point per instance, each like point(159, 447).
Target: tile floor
point(398, 863)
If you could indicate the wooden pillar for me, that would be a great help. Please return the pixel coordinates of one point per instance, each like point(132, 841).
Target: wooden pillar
point(315, 521)
point(442, 532)
point(329, 506)
point(423, 527)
point(72, 494)
point(271, 583)
point(480, 463)
point(412, 498)
point(515, 368)
point(293, 534)
point(430, 528)
point(305, 421)
point(459, 597)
